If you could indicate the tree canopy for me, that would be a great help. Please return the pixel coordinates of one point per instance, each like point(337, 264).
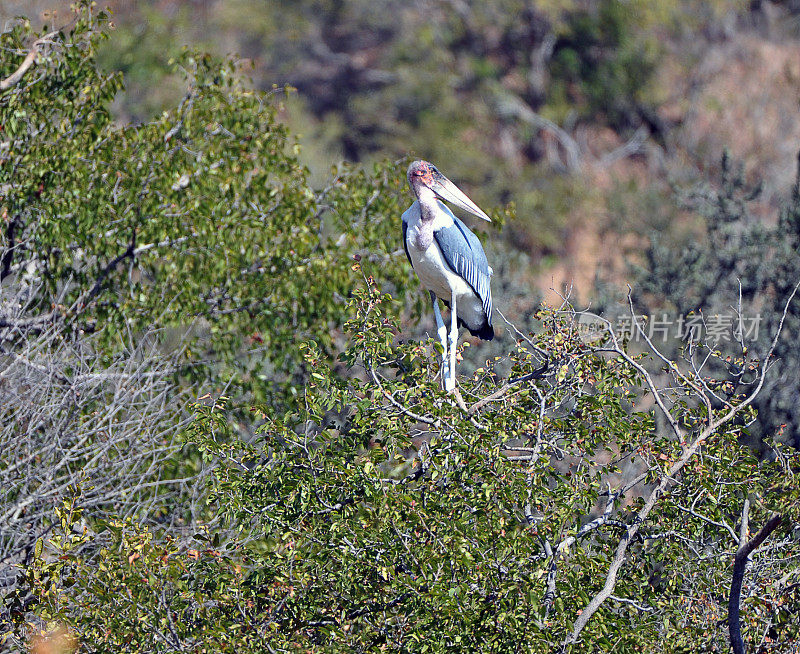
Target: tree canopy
point(380, 515)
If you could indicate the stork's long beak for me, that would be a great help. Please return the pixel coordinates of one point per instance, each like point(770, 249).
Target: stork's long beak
point(446, 190)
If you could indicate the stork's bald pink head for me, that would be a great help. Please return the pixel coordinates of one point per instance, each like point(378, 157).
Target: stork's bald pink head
point(422, 173)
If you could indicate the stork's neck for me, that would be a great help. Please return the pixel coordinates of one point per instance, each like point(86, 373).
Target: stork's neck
point(427, 203)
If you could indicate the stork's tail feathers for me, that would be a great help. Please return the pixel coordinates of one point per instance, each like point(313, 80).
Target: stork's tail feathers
point(485, 331)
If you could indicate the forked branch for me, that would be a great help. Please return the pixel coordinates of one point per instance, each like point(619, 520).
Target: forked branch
point(29, 60)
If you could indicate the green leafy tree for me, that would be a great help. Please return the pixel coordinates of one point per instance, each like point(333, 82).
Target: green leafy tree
point(577, 501)
point(202, 220)
point(547, 510)
point(480, 88)
point(141, 265)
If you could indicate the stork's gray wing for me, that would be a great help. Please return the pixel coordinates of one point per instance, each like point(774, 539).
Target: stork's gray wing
point(464, 253)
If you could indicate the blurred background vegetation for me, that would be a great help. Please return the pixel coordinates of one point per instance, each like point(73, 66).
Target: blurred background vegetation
point(517, 100)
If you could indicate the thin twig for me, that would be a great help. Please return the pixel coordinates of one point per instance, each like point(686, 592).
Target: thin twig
point(396, 404)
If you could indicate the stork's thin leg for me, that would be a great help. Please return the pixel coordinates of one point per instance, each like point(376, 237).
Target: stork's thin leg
point(442, 332)
point(450, 385)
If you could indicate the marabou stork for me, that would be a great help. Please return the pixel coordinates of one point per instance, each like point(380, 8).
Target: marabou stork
point(448, 259)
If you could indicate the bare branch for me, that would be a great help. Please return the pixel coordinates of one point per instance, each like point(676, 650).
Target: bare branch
point(745, 526)
point(29, 60)
point(616, 348)
point(723, 525)
point(66, 420)
point(746, 548)
point(566, 543)
point(500, 392)
point(636, 605)
point(511, 105)
point(632, 146)
point(396, 404)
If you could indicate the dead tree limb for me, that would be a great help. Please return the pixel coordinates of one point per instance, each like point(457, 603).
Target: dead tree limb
point(511, 105)
point(746, 548)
